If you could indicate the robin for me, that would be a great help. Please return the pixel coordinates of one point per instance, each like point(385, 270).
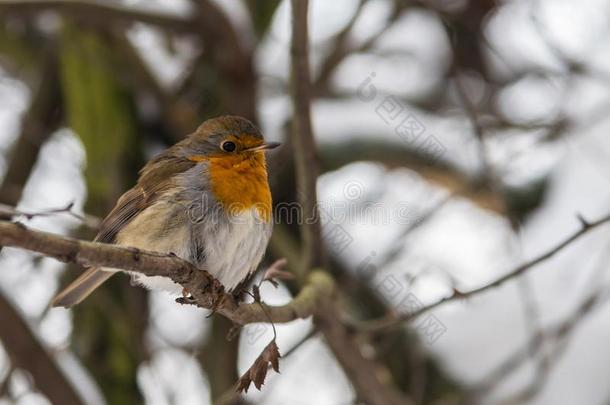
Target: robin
point(206, 199)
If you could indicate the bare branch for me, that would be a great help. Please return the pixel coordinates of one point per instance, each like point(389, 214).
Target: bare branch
point(232, 58)
point(342, 49)
point(557, 334)
point(27, 352)
point(472, 114)
point(339, 50)
point(305, 153)
point(102, 12)
point(487, 170)
point(42, 118)
point(10, 213)
point(362, 372)
point(205, 290)
point(180, 117)
point(393, 320)
point(6, 380)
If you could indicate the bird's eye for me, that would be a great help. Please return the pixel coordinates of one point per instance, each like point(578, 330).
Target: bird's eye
point(228, 146)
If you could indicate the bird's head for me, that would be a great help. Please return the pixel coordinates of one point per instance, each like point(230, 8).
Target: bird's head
point(229, 138)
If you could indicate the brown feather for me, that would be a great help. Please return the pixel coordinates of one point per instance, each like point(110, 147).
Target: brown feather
point(155, 179)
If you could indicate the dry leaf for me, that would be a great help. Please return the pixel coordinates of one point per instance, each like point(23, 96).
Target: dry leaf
point(258, 371)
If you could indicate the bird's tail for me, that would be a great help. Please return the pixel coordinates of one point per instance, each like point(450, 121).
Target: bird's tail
point(80, 288)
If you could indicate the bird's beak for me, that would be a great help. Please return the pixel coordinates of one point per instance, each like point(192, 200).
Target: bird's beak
point(265, 146)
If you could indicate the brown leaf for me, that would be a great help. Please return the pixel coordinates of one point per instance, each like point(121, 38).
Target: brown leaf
point(270, 357)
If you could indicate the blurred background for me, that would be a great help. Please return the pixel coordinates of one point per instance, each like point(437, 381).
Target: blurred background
point(457, 139)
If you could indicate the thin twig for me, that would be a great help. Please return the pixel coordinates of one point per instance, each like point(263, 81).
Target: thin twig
point(393, 320)
point(558, 333)
point(341, 48)
point(10, 213)
point(538, 339)
point(487, 170)
point(26, 352)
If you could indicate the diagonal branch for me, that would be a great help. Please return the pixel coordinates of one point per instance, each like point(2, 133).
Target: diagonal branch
point(42, 118)
point(21, 343)
point(557, 336)
point(393, 320)
point(181, 118)
point(342, 47)
point(206, 291)
point(27, 352)
point(102, 12)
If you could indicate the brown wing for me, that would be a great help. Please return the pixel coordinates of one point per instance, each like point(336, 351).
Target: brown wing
point(155, 179)
point(129, 205)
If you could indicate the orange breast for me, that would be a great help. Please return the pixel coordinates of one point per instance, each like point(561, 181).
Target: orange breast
point(241, 184)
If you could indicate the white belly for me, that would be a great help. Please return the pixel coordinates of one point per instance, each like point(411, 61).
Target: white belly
point(236, 248)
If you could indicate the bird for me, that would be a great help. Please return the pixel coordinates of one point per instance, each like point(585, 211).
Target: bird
point(205, 199)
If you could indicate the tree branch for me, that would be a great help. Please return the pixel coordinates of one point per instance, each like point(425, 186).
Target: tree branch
point(230, 57)
point(26, 352)
point(181, 118)
point(22, 346)
point(102, 12)
point(556, 336)
point(342, 48)
point(362, 372)
point(305, 153)
point(393, 320)
point(206, 291)
point(38, 124)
